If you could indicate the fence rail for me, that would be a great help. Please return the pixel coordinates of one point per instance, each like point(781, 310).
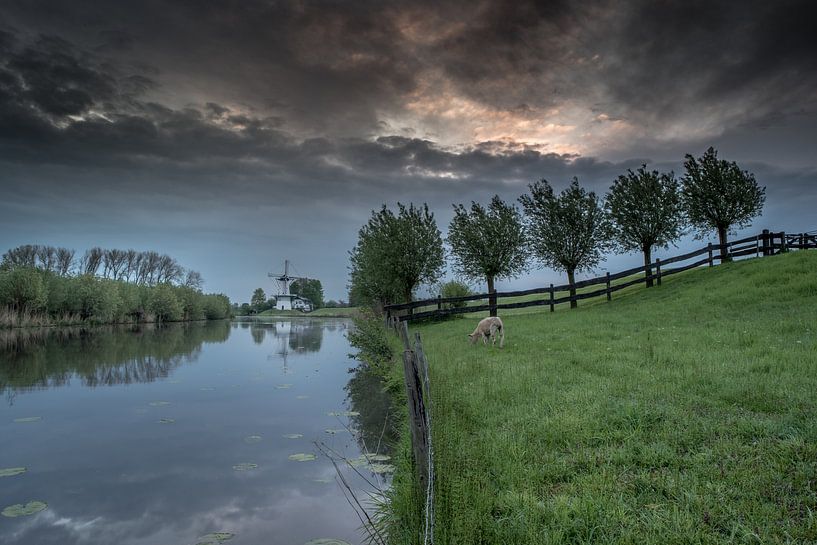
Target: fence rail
point(763, 244)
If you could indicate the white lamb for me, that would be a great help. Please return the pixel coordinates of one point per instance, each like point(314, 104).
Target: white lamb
point(489, 328)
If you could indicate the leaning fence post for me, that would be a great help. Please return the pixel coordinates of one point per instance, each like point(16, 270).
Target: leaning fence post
point(783, 246)
point(658, 271)
point(416, 409)
point(439, 302)
point(709, 249)
point(551, 297)
point(609, 296)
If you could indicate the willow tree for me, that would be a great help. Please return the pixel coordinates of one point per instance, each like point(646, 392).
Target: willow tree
point(395, 253)
point(569, 232)
point(645, 207)
point(719, 195)
point(488, 243)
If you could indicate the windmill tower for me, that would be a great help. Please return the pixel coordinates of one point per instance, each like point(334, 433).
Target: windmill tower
point(283, 301)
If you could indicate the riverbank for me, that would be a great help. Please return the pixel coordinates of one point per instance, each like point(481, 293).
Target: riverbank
point(682, 413)
point(36, 298)
point(346, 312)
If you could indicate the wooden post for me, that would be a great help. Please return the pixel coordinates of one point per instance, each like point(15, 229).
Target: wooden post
point(439, 302)
point(551, 297)
point(711, 260)
point(783, 245)
point(609, 294)
point(388, 318)
point(416, 409)
point(764, 238)
point(658, 271)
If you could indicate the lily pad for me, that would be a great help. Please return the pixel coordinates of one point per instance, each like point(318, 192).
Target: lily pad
point(327, 541)
point(322, 481)
point(28, 419)
point(343, 413)
point(357, 462)
point(159, 403)
point(378, 457)
point(283, 386)
point(293, 435)
point(215, 538)
point(24, 510)
point(246, 466)
point(12, 471)
point(250, 439)
point(381, 468)
point(166, 421)
point(301, 457)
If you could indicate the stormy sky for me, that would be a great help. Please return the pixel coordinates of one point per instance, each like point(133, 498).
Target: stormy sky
point(233, 135)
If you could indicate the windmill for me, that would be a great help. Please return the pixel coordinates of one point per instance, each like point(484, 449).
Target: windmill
point(284, 300)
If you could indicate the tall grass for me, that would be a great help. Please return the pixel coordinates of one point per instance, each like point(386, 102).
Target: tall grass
point(685, 413)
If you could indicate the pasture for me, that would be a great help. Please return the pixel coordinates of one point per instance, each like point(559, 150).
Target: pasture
point(685, 413)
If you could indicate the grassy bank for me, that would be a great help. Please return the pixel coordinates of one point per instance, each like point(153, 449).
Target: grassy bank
point(685, 413)
point(348, 312)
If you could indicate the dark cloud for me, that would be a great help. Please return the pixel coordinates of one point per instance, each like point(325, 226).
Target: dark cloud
point(132, 119)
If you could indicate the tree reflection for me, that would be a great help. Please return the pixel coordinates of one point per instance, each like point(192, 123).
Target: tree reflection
point(45, 358)
point(377, 425)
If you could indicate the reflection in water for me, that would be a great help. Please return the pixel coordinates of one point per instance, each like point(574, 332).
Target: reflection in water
point(377, 426)
point(110, 472)
point(107, 355)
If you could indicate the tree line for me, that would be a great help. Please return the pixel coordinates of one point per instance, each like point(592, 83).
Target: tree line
point(571, 231)
point(147, 267)
point(44, 285)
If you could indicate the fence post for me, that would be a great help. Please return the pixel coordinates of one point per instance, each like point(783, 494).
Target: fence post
point(609, 295)
point(417, 416)
point(709, 249)
point(551, 297)
point(388, 318)
point(764, 237)
point(658, 271)
point(783, 246)
point(439, 302)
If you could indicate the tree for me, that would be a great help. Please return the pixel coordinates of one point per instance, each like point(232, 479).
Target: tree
point(193, 280)
point(569, 232)
point(395, 254)
point(718, 195)
point(258, 299)
point(488, 244)
point(454, 288)
point(645, 207)
point(309, 288)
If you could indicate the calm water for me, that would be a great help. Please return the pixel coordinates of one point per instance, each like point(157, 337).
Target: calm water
point(133, 436)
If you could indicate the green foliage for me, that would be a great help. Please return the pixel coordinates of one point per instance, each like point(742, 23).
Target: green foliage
point(683, 414)
point(395, 254)
point(23, 289)
point(568, 232)
point(645, 207)
point(258, 299)
point(164, 304)
point(216, 306)
point(309, 288)
point(454, 288)
point(488, 243)
point(371, 340)
point(191, 301)
point(719, 195)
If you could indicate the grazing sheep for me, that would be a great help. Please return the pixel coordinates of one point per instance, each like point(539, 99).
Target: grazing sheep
point(489, 328)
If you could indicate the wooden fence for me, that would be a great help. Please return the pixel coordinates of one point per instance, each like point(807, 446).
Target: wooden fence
point(418, 397)
point(764, 244)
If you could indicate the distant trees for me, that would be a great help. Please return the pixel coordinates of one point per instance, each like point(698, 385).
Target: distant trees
point(488, 243)
point(258, 299)
point(569, 232)
point(49, 285)
point(309, 288)
point(395, 253)
point(646, 210)
point(144, 268)
point(719, 195)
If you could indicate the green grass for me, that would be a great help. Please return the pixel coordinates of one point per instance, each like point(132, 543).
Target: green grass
point(685, 413)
